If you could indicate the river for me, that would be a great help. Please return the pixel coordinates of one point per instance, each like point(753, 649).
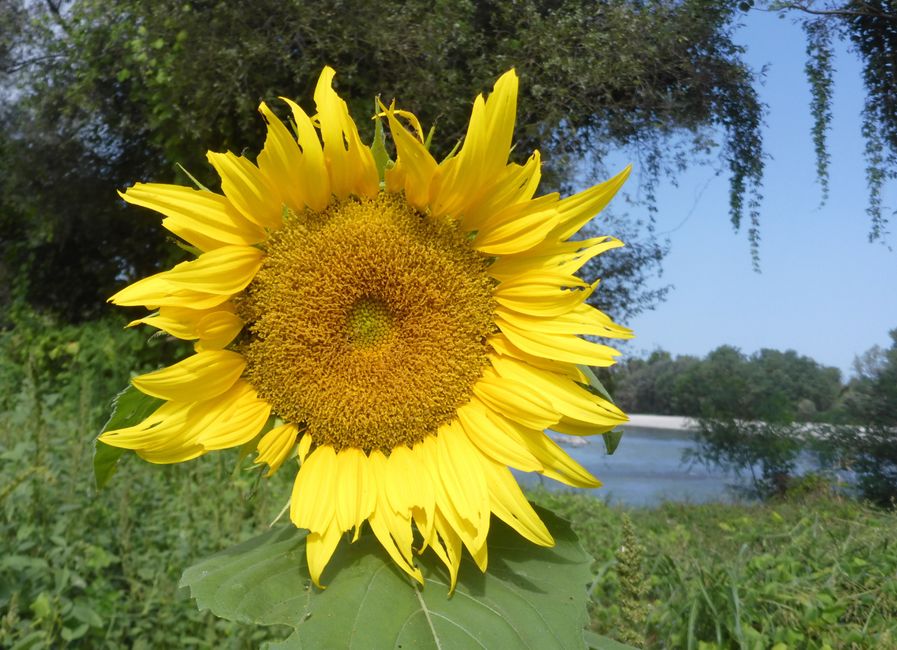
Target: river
point(645, 469)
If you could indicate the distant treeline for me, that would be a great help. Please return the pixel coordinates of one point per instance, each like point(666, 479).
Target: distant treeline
point(768, 385)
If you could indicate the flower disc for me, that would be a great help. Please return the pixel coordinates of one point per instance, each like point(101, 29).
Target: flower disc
point(368, 323)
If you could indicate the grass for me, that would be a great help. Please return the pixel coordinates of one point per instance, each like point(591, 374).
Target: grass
point(85, 569)
point(818, 572)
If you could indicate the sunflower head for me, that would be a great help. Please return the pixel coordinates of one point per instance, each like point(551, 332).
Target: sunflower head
point(405, 341)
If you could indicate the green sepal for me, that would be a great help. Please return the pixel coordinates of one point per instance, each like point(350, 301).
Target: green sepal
point(184, 246)
point(611, 438)
point(130, 407)
point(378, 146)
point(192, 178)
point(429, 139)
point(595, 383)
point(529, 597)
point(250, 446)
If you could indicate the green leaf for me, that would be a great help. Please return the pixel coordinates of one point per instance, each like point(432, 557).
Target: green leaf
point(130, 407)
point(598, 642)
point(530, 597)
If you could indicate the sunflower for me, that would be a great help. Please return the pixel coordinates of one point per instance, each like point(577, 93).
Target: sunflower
point(405, 339)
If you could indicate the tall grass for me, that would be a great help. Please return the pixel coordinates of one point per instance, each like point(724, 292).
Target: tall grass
point(818, 572)
point(85, 569)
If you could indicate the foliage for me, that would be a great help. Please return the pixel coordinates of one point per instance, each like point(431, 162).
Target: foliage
point(529, 598)
point(99, 94)
point(806, 574)
point(770, 385)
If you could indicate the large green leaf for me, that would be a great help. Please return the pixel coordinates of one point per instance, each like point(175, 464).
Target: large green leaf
point(530, 597)
point(598, 642)
point(130, 407)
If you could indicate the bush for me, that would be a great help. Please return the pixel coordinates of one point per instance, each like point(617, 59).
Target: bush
point(766, 452)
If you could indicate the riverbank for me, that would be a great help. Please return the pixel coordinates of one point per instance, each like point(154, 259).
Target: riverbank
point(663, 422)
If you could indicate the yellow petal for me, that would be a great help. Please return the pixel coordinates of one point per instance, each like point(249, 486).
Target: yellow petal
point(516, 184)
point(577, 210)
point(239, 422)
point(355, 492)
point(195, 379)
point(542, 294)
point(275, 447)
point(563, 347)
point(393, 530)
point(313, 169)
point(179, 431)
point(319, 548)
point(407, 485)
point(499, 444)
point(558, 465)
point(217, 330)
point(304, 447)
point(313, 503)
point(499, 342)
point(350, 162)
point(183, 322)
point(582, 319)
point(448, 548)
point(463, 179)
point(509, 505)
point(431, 457)
point(567, 397)
point(565, 257)
point(197, 239)
point(417, 163)
point(517, 401)
point(280, 162)
point(459, 470)
point(213, 276)
point(195, 211)
point(247, 189)
point(518, 231)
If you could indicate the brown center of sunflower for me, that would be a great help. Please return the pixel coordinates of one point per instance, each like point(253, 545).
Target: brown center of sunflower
point(368, 323)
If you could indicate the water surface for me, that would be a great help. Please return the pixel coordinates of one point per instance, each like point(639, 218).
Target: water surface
point(646, 469)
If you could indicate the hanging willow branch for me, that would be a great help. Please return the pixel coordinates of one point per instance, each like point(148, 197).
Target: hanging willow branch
point(819, 71)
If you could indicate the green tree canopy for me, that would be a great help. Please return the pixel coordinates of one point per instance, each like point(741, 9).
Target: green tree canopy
point(769, 385)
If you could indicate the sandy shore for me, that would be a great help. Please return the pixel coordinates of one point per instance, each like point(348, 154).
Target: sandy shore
point(667, 422)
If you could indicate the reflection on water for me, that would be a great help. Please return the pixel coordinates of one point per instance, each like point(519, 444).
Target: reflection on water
point(646, 469)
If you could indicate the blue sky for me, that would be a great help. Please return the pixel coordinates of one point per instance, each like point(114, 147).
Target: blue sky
point(824, 290)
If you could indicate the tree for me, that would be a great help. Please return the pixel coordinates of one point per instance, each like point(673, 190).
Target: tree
point(125, 89)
